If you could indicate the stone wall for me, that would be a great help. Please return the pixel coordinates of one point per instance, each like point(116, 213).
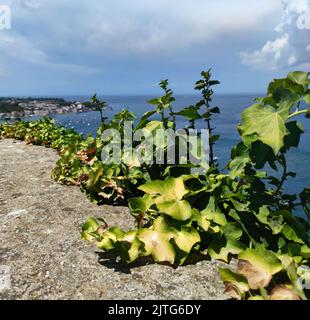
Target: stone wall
point(42, 251)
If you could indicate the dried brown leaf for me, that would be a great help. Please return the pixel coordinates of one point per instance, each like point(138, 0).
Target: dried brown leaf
point(282, 292)
point(257, 277)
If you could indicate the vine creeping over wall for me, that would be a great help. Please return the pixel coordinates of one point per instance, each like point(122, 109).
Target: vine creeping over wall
point(241, 211)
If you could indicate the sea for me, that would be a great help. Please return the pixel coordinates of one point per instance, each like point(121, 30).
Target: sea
point(225, 124)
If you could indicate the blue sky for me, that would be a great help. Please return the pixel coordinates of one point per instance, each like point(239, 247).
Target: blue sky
point(58, 47)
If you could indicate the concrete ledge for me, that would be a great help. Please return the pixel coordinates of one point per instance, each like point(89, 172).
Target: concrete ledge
point(40, 243)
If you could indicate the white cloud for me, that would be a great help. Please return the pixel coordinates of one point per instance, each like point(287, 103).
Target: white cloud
point(158, 26)
point(21, 49)
point(291, 48)
point(269, 55)
point(29, 4)
point(83, 37)
point(132, 27)
point(291, 60)
point(18, 47)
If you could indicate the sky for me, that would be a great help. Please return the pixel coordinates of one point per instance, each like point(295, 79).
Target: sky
point(57, 47)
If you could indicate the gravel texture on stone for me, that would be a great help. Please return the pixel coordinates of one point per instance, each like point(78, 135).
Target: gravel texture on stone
point(40, 242)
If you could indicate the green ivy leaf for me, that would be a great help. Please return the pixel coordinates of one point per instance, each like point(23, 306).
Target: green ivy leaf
point(232, 231)
point(185, 239)
point(177, 209)
point(240, 158)
point(268, 123)
point(302, 78)
point(284, 97)
point(215, 216)
point(287, 83)
point(144, 119)
point(168, 196)
point(129, 246)
point(290, 267)
point(295, 130)
point(190, 112)
point(215, 110)
point(154, 101)
point(140, 205)
point(109, 238)
point(157, 244)
point(307, 98)
point(94, 176)
point(107, 242)
point(171, 188)
point(305, 251)
point(89, 227)
point(293, 229)
point(220, 249)
point(201, 220)
point(291, 234)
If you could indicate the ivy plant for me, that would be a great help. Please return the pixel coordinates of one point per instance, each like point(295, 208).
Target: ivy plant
point(241, 211)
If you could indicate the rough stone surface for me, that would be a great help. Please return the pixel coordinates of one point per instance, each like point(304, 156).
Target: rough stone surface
point(40, 222)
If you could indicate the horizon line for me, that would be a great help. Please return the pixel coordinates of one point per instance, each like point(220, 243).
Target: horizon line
point(120, 95)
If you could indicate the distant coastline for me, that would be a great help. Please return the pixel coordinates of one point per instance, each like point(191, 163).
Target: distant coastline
point(18, 108)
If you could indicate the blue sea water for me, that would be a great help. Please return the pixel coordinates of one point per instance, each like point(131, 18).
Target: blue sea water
point(225, 125)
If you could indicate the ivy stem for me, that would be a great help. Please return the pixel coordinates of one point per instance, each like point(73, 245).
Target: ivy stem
point(101, 116)
point(297, 204)
point(172, 116)
point(283, 162)
point(296, 113)
point(209, 129)
point(211, 145)
point(163, 118)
